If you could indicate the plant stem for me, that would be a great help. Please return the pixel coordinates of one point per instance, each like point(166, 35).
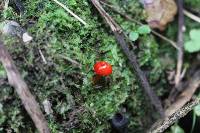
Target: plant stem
point(180, 43)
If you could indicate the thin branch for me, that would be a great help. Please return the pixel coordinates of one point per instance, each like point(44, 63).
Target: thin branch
point(115, 9)
point(183, 72)
point(28, 100)
point(165, 38)
point(180, 43)
point(70, 12)
point(72, 61)
point(121, 38)
point(42, 56)
point(161, 125)
point(191, 16)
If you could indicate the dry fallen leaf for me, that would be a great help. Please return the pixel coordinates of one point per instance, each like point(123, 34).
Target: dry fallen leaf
point(160, 12)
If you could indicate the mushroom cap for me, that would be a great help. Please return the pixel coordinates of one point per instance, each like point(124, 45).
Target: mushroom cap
point(102, 68)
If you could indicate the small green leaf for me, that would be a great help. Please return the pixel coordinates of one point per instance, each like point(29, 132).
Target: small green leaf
point(177, 129)
point(197, 110)
point(193, 45)
point(145, 29)
point(133, 36)
point(194, 34)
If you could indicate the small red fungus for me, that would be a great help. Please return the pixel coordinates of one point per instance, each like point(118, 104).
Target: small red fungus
point(103, 68)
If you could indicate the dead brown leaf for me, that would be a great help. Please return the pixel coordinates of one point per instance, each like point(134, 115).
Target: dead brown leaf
point(160, 13)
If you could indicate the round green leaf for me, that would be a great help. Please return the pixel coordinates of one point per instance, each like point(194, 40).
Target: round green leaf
point(145, 29)
point(195, 34)
point(192, 46)
point(133, 36)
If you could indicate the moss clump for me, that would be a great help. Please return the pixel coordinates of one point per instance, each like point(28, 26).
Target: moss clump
point(77, 105)
point(194, 4)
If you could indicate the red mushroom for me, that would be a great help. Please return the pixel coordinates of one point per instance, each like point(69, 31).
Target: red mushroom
point(102, 71)
point(103, 68)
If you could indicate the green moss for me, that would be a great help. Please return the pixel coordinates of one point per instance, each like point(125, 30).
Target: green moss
point(194, 4)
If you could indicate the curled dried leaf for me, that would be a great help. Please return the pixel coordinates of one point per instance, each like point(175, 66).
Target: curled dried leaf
point(160, 12)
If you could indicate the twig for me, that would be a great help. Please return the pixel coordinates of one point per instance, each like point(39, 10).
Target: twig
point(139, 23)
point(47, 107)
point(121, 38)
point(186, 95)
point(28, 100)
point(72, 61)
point(180, 43)
point(42, 56)
point(191, 16)
point(183, 72)
point(194, 11)
point(161, 125)
point(70, 12)
point(165, 38)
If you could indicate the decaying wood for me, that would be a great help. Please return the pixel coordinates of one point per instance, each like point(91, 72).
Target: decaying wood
point(121, 38)
point(186, 95)
point(161, 125)
point(22, 90)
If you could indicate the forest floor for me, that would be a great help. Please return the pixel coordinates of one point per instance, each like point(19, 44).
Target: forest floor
point(57, 66)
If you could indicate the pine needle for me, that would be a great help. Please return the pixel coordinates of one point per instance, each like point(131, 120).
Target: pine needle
point(70, 12)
